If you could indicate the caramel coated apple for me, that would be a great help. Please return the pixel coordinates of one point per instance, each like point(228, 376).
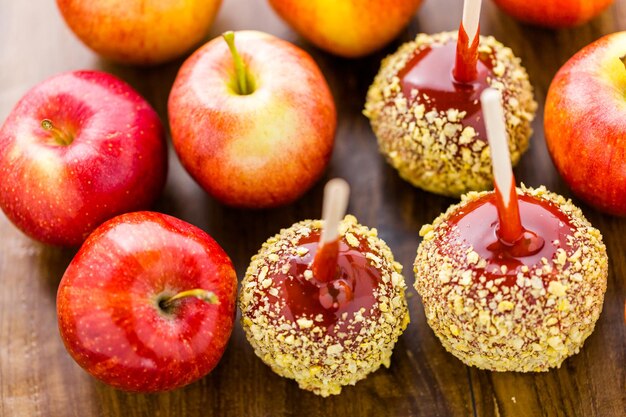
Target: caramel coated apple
point(497, 310)
point(430, 127)
point(325, 335)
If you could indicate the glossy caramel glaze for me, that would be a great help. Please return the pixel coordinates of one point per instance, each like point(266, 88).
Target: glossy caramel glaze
point(324, 334)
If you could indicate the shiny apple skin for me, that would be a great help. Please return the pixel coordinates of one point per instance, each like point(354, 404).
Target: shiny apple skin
point(585, 123)
point(260, 150)
point(348, 28)
point(108, 303)
point(139, 32)
point(116, 163)
point(554, 13)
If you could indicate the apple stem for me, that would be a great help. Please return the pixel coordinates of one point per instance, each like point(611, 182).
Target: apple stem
point(59, 136)
point(623, 59)
point(198, 293)
point(240, 68)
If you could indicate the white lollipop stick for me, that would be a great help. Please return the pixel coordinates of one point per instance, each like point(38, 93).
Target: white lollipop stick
point(493, 112)
point(336, 194)
point(471, 18)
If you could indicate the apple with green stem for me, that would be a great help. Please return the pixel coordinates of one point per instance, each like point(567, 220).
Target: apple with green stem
point(252, 119)
point(148, 303)
point(77, 150)
point(584, 123)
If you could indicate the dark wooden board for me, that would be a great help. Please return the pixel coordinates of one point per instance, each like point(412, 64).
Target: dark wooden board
point(38, 378)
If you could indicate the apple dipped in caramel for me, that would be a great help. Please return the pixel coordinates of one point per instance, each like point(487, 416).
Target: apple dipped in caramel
point(323, 301)
point(514, 279)
point(424, 107)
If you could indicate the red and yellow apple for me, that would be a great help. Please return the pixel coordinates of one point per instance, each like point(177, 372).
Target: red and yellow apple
point(554, 13)
point(253, 125)
point(143, 32)
point(148, 303)
point(348, 28)
point(585, 123)
point(77, 150)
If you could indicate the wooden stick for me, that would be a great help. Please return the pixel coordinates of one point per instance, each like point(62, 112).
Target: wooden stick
point(336, 195)
point(471, 18)
point(465, 68)
point(510, 229)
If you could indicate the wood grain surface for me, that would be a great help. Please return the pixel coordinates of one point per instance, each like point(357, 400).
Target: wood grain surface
point(38, 378)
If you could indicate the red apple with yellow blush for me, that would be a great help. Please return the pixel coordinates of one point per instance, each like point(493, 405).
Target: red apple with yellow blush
point(348, 28)
point(585, 123)
point(252, 119)
point(554, 13)
point(144, 32)
point(77, 150)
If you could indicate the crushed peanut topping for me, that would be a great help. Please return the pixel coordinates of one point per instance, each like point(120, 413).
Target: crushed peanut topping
point(318, 358)
point(533, 324)
point(431, 148)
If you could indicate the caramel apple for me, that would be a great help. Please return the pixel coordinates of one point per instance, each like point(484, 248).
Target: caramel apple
point(424, 109)
point(325, 315)
point(514, 279)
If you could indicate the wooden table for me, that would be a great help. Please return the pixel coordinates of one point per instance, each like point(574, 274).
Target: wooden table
point(38, 378)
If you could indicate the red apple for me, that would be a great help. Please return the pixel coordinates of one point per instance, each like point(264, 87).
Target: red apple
point(148, 303)
point(254, 127)
point(349, 28)
point(76, 150)
point(554, 13)
point(585, 123)
point(140, 31)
